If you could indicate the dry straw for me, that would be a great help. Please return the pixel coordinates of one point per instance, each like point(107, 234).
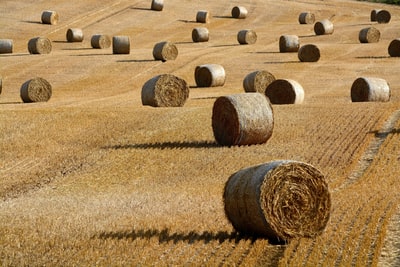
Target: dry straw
point(121, 45)
point(50, 17)
point(242, 119)
point(165, 90)
point(209, 75)
point(100, 41)
point(285, 91)
point(203, 16)
point(394, 48)
point(74, 35)
point(322, 27)
point(289, 43)
point(39, 45)
point(200, 34)
point(306, 18)
point(36, 90)
point(369, 35)
point(280, 200)
point(247, 37)
point(383, 16)
point(370, 89)
point(257, 81)
point(165, 51)
point(239, 12)
point(6, 46)
point(157, 5)
point(309, 53)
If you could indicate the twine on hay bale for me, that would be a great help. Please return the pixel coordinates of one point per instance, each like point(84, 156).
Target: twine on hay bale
point(6, 46)
point(200, 34)
point(209, 75)
point(280, 200)
point(306, 18)
point(39, 45)
point(289, 43)
point(203, 16)
point(50, 17)
point(100, 41)
point(165, 51)
point(257, 81)
point(165, 90)
point(247, 37)
point(383, 16)
point(36, 90)
point(394, 48)
point(285, 91)
point(74, 35)
point(242, 119)
point(322, 27)
point(309, 53)
point(370, 89)
point(157, 5)
point(239, 12)
point(121, 45)
point(369, 35)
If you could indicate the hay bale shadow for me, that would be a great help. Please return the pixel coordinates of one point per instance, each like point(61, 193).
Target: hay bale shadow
point(166, 145)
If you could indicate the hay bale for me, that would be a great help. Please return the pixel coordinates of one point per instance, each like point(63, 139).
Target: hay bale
point(165, 90)
point(36, 90)
point(306, 18)
point(257, 81)
point(369, 35)
point(100, 41)
point(247, 37)
point(242, 119)
point(209, 75)
point(289, 43)
point(74, 35)
point(322, 27)
point(280, 200)
point(203, 16)
point(6, 46)
point(200, 34)
point(157, 5)
point(309, 53)
point(121, 45)
point(373, 14)
point(285, 91)
point(165, 51)
point(50, 17)
point(370, 89)
point(383, 16)
point(239, 12)
point(39, 45)
point(394, 48)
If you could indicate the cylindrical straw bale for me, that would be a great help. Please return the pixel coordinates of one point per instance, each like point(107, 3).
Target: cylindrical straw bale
point(6, 46)
point(100, 41)
point(247, 37)
point(157, 5)
point(280, 200)
point(36, 90)
point(306, 18)
point(209, 75)
point(50, 17)
point(373, 14)
point(165, 90)
point(369, 35)
point(200, 34)
point(121, 45)
point(239, 12)
point(394, 48)
point(285, 91)
point(74, 35)
point(242, 119)
point(309, 53)
point(203, 16)
point(289, 43)
point(39, 45)
point(383, 16)
point(258, 81)
point(165, 51)
point(370, 89)
point(322, 27)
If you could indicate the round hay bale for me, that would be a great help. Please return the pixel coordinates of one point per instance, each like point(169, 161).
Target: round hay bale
point(309, 53)
point(373, 14)
point(200, 34)
point(322, 27)
point(289, 43)
point(50, 17)
point(157, 5)
point(369, 35)
point(165, 51)
point(394, 48)
point(285, 91)
point(239, 12)
point(280, 200)
point(203, 16)
point(209, 75)
point(100, 41)
point(121, 45)
point(370, 89)
point(39, 45)
point(74, 35)
point(36, 90)
point(383, 16)
point(247, 37)
point(165, 90)
point(6, 46)
point(257, 81)
point(306, 18)
point(242, 119)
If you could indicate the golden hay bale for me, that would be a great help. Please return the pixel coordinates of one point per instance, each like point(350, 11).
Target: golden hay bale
point(306, 18)
point(157, 5)
point(369, 35)
point(165, 90)
point(6, 46)
point(100, 41)
point(239, 12)
point(165, 51)
point(209, 75)
point(203, 16)
point(247, 37)
point(367, 89)
point(74, 35)
point(289, 43)
point(285, 91)
point(257, 81)
point(50, 17)
point(383, 16)
point(322, 27)
point(39, 45)
point(36, 90)
point(309, 53)
point(280, 200)
point(242, 119)
point(394, 48)
point(200, 34)
point(121, 45)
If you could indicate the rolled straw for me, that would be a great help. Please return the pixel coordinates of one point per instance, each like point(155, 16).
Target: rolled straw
point(394, 48)
point(157, 5)
point(306, 18)
point(36, 90)
point(200, 34)
point(289, 43)
point(50, 17)
point(165, 51)
point(285, 91)
point(258, 81)
point(209, 75)
point(239, 12)
point(100, 41)
point(369, 35)
point(39, 45)
point(370, 89)
point(322, 27)
point(121, 45)
point(6, 46)
point(247, 37)
point(74, 35)
point(383, 16)
point(203, 16)
point(309, 53)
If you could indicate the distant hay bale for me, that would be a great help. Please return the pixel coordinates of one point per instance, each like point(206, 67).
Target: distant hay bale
point(280, 200)
point(247, 37)
point(36, 90)
point(369, 35)
point(157, 5)
point(289, 43)
point(121, 45)
point(285, 91)
point(257, 81)
point(309, 53)
point(39, 45)
point(203, 16)
point(383, 16)
point(322, 27)
point(242, 119)
point(239, 12)
point(100, 41)
point(209, 75)
point(6, 46)
point(370, 89)
point(306, 18)
point(394, 48)
point(50, 17)
point(165, 90)
point(165, 51)
point(200, 34)
point(74, 35)
point(373, 14)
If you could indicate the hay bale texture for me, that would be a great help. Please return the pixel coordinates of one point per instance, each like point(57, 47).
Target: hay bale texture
point(394, 48)
point(309, 53)
point(39, 45)
point(6, 46)
point(200, 34)
point(100, 41)
point(74, 35)
point(280, 200)
point(247, 37)
point(383, 16)
point(257, 81)
point(369, 35)
point(50, 17)
point(239, 12)
point(36, 90)
point(121, 45)
point(157, 5)
point(289, 43)
point(242, 119)
point(285, 91)
point(209, 75)
point(306, 18)
point(165, 51)
point(370, 89)
point(322, 27)
point(203, 16)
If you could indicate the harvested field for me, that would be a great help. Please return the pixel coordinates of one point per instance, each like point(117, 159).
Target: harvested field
point(93, 177)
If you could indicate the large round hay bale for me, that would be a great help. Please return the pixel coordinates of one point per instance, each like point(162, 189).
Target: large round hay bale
point(370, 89)
point(36, 90)
point(257, 81)
point(203, 16)
point(74, 35)
point(209, 75)
point(200, 34)
point(285, 91)
point(39, 45)
point(394, 48)
point(369, 35)
point(373, 14)
point(121, 45)
point(239, 12)
point(242, 119)
point(322, 27)
point(247, 37)
point(306, 18)
point(309, 53)
point(6, 46)
point(165, 51)
point(383, 16)
point(289, 43)
point(280, 200)
point(100, 41)
point(157, 5)
point(165, 90)
point(50, 17)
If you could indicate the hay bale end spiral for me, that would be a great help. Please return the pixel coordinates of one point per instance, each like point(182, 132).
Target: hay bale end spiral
point(36, 90)
point(39, 45)
point(165, 51)
point(257, 81)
